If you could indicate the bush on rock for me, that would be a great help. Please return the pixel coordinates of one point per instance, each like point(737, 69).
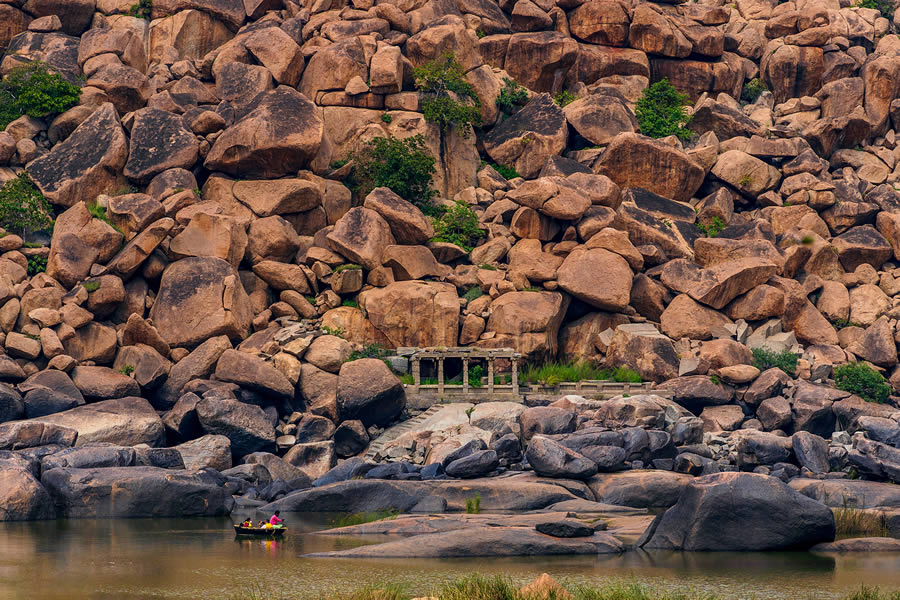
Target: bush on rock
point(23, 209)
point(35, 90)
point(449, 101)
point(660, 111)
point(458, 225)
point(862, 380)
point(405, 166)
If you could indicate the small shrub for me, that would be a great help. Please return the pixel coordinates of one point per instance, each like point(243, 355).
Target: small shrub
point(335, 331)
point(406, 379)
point(375, 350)
point(564, 98)
point(487, 267)
point(713, 228)
point(127, 369)
point(715, 380)
point(386, 118)
point(473, 293)
point(752, 90)
point(449, 101)
point(841, 323)
point(350, 303)
point(34, 89)
point(745, 180)
point(885, 7)
point(91, 286)
point(458, 225)
point(23, 209)
point(505, 172)
point(37, 264)
point(766, 358)
point(141, 10)
point(512, 97)
point(473, 505)
point(864, 381)
point(405, 166)
point(807, 239)
point(347, 267)
point(660, 111)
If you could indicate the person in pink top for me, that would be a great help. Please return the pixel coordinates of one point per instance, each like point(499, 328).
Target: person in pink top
point(275, 520)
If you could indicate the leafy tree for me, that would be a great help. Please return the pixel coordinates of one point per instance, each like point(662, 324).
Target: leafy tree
point(448, 100)
point(23, 209)
point(458, 225)
point(864, 381)
point(405, 166)
point(752, 90)
point(660, 111)
point(35, 90)
point(512, 97)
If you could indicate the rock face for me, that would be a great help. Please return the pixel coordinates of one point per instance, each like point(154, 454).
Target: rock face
point(245, 426)
point(130, 492)
point(742, 512)
point(367, 391)
point(200, 298)
point(22, 498)
point(123, 421)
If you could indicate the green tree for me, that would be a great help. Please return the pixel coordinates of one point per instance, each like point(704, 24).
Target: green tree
point(660, 111)
point(405, 166)
point(34, 89)
point(23, 209)
point(458, 225)
point(448, 100)
point(864, 381)
point(512, 97)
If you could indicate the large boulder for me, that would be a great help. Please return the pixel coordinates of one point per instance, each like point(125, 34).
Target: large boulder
point(414, 313)
point(640, 489)
point(367, 391)
point(528, 321)
point(542, 123)
point(406, 221)
point(643, 348)
point(577, 275)
point(742, 512)
point(284, 130)
point(123, 421)
point(253, 373)
point(86, 164)
point(22, 497)
point(549, 458)
point(208, 451)
point(129, 492)
point(245, 425)
point(361, 235)
point(200, 298)
point(17, 435)
point(159, 141)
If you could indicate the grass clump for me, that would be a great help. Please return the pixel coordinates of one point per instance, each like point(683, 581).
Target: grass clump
point(34, 89)
point(347, 267)
point(473, 504)
point(403, 165)
point(849, 521)
point(766, 358)
point(385, 514)
point(713, 228)
point(335, 331)
point(660, 111)
point(23, 209)
point(752, 90)
point(554, 373)
point(458, 225)
point(91, 286)
point(864, 381)
point(506, 172)
point(37, 264)
point(448, 100)
point(512, 97)
point(375, 350)
point(350, 303)
point(473, 293)
point(564, 98)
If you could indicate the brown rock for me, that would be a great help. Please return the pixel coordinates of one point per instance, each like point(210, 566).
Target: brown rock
point(408, 225)
point(361, 235)
point(611, 293)
point(684, 318)
point(414, 313)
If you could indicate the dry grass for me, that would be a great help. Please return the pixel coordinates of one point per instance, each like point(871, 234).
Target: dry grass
point(850, 521)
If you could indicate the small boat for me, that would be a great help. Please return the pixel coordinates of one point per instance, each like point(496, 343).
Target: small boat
point(260, 531)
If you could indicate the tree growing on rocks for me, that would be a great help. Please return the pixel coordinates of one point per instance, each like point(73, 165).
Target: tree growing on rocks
point(862, 380)
point(660, 111)
point(35, 90)
point(458, 225)
point(405, 166)
point(449, 101)
point(23, 209)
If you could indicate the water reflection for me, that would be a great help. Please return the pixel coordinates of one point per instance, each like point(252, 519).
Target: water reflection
point(200, 558)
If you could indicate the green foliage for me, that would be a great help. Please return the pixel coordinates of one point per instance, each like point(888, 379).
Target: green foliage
point(885, 7)
point(473, 293)
point(347, 267)
point(335, 331)
point(853, 522)
point(375, 350)
point(807, 239)
point(100, 212)
point(864, 381)
point(37, 264)
point(469, 412)
point(385, 514)
point(841, 323)
point(34, 89)
point(350, 303)
point(23, 209)
point(713, 228)
point(91, 286)
point(512, 97)
point(405, 166)
point(141, 10)
point(505, 172)
point(660, 111)
point(715, 380)
point(130, 189)
point(555, 372)
point(458, 225)
point(473, 505)
point(386, 118)
point(487, 267)
point(564, 98)
point(766, 358)
point(745, 180)
point(753, 89)
point(449, 101)
point(127, 369)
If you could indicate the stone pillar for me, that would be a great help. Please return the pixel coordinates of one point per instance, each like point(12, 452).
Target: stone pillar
point(515, 377)
point(417, 374)
point(465, 376)
point(491, 376)
point(440, 375)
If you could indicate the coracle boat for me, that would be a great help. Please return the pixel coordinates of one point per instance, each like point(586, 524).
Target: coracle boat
point(269, 532)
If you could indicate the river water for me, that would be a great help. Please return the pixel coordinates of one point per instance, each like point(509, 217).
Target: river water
point(200, 558)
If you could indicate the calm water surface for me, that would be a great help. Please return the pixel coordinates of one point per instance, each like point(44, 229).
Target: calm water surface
point(199, 558)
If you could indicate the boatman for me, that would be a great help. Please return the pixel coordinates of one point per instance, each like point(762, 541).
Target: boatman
point(275, 520)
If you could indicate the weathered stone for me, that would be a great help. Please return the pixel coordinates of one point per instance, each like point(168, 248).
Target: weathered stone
point(367, 391)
